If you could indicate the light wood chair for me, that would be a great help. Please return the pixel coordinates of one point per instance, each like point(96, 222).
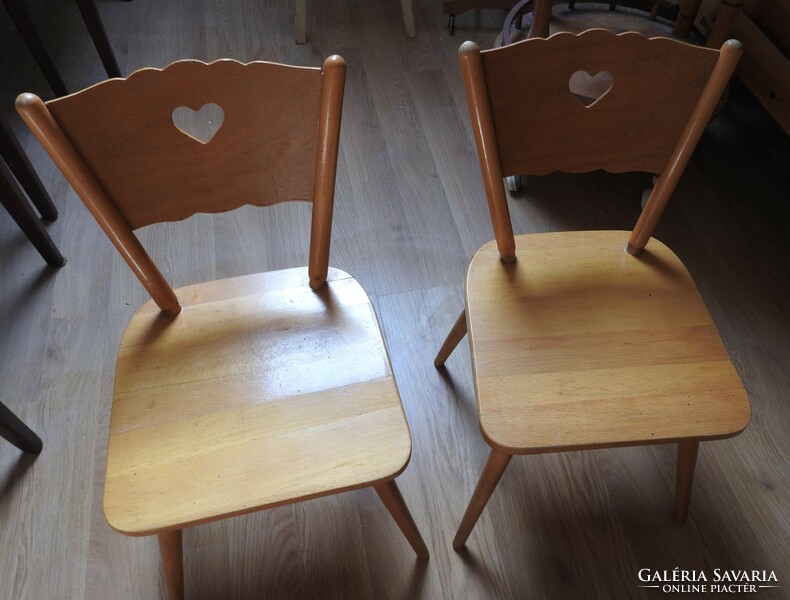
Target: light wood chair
point(577, 344)
point(300, 20)
point(241, 394)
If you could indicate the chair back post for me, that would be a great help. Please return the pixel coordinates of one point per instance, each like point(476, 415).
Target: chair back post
point(541, 19)
point(687, 11)
point(728, 59)
point(41, 122)
point(333, 83)
point(487, 152)
point(726, 14)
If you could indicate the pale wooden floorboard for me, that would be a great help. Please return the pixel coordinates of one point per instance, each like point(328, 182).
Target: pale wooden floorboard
point(409, 214)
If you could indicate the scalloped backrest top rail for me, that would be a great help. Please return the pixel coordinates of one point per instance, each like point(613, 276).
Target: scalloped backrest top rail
point(124, 148)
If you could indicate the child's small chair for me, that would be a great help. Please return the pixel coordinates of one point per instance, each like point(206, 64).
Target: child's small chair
point(239, 394)
point(591, 339)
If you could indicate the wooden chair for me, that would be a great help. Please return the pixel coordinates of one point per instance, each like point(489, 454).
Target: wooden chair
point(575, 343)
point(240, 394)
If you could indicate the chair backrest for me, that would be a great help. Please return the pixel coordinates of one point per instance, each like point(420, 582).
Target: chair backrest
point(527, 120)
point(726, 12)
point(124, 150)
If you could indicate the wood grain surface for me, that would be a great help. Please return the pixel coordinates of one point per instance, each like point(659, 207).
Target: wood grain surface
point(257, 379)
point(579, 345)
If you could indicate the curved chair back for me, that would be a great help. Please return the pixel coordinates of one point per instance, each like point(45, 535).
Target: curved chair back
point(127, 150)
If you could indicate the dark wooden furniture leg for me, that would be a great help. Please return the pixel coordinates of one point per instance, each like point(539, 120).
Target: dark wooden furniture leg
point(21, 18)
point(99, 36)
point(20, 166)
point(13, 199)
point(16, 432)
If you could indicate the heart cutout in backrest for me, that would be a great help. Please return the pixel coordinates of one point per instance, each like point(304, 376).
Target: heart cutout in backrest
point(588, 89)
point(201, 125)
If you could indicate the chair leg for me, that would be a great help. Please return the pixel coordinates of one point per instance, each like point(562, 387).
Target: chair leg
point(21, 18)
point(13, 199)
point(90, 15)
point(687, 10)
point(15, 431)
point(687, 461)
point(20, 166)
point(408, 18)
point(489, 478)
point(456, 334)
point(172, 551)
point(300, 21)
point(391, 497)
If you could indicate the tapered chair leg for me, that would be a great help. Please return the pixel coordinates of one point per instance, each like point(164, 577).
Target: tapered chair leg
point(171, 549)
point(300, 21)
point(20, 166)
point(90, 15)
point(408, 18)
point(687, 461)
point(391, 497)
point(456, 334)
point(21, 17)
point(489, 478)
point(15, 431)
point(13, 199)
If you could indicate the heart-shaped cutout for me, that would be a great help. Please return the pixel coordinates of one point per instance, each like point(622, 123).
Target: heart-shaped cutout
point(589, 89)
point(201, 125)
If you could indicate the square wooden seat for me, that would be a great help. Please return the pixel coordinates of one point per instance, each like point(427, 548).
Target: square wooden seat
point(586, 347)
point(260, 386)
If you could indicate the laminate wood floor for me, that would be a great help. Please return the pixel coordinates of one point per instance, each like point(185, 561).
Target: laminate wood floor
point(410, 213)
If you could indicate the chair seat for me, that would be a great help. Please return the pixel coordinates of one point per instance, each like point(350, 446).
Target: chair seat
point(245, 400)
point(579, 345)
